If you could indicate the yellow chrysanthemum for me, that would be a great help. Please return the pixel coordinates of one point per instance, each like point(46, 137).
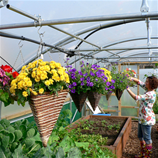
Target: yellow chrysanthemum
point(12, 90)
point(29, 83)
point(62, 78)
point(33, 74)
point(41, 90)
point(24, 93)
point(47, 82)
point(34, 93)
point(57, 65)
point(51, 81)
point(37, 79)
point(43, 76)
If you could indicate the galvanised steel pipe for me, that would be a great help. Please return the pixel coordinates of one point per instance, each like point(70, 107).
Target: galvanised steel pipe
point(109, 49)
point(79, 20)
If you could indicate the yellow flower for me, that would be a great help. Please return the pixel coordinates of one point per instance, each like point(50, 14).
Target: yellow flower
point(23, 67)
point(62, 78)
point(34, 93)
point(47, 82)
point(12, 90)
point(37, 79)
point(24, 93)
point(33, 74)
point(57, 65)
point(41, 90)
point(67, 80)
point(43, 76)
point(29, 83)
point(51, 81)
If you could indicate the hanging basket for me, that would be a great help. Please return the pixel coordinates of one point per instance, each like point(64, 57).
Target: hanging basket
point(94, 99)
point(79, 99)
point(118, 93)
point(46, 109)
point(108, 95)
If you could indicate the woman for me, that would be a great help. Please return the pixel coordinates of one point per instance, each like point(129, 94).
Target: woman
point(146, 115)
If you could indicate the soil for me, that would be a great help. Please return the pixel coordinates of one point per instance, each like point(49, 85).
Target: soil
point(132, 145)
point(102, 128)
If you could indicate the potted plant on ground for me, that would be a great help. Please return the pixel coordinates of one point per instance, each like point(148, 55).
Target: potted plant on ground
point(43, 84)
point(6, 76)
point(90, 81)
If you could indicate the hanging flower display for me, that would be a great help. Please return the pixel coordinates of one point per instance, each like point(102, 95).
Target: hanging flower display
point(90, 78)
point(43, 84)
point(122, 81)
point(6, 76)
point(39, 77)
point(129, 72)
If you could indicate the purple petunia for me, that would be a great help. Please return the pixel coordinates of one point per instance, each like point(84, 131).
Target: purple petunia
point(113, 81)
point(112, 87)
point(106, 88)
point(88, 79)
point(91, 73)
point(80, 72)
point(74, 84)
point(72, 90)
point(70, 86)
point(91, 84)
point(82, 83)
point(108, 83)
point(82, 79)
point(96, 79)
point(85, 74)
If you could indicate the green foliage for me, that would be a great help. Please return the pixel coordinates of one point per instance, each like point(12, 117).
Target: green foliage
point(18, 135)
point(155, 107)
point(5, 123)
point(122, 80)
point(18, 140)
point(61, 144)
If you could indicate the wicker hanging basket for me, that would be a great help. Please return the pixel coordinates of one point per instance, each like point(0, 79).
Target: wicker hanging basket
point(79, 99)
point(118, 93)
point(46, 109)
point(94, 99)
point(108, 95)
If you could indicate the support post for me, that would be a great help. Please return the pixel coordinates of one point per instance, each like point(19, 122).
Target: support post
point(138, 91)
point(119, 102)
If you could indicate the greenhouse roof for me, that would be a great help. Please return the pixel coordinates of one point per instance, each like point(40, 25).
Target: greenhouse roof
point(99, 31)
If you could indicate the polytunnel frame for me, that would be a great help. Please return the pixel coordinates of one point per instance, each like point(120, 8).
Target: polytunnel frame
point(40, 23)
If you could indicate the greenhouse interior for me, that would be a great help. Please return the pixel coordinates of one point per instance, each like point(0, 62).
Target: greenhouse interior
point(78, 79)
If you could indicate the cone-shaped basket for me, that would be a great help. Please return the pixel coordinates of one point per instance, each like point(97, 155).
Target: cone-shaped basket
point(108, 95)
point(118, 93)
point(79, 99)
point(46, 109)
point(94, 99)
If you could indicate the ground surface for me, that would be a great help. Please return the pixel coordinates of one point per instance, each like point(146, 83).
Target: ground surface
point(132, 145)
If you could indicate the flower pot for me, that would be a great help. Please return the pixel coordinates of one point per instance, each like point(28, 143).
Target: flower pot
point(118, 93)
point(79, 99)
point(108, 95)
point(94, 99)
point(46, 109)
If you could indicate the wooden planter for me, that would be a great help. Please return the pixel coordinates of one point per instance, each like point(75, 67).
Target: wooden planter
point(120, 142)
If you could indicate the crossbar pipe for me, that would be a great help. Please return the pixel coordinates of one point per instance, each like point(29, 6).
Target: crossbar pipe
point(79, 20)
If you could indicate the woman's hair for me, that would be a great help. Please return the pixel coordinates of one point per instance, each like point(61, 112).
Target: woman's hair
point(153, 82)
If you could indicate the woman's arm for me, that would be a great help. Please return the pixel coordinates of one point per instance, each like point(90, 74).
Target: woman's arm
point(131, 94)
point(134, 79)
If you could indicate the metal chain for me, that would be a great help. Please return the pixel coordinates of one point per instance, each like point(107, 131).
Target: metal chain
point(20, 53)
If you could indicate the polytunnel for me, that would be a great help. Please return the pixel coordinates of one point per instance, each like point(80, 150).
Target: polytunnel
point(106, 32)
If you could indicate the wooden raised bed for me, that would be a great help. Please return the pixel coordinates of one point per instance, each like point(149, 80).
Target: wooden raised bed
point(120, 142)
